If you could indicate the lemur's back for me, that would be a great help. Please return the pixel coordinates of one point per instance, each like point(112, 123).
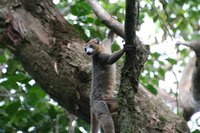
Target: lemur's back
point(103, 79)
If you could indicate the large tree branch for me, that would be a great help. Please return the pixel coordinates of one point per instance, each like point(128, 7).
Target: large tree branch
point(106, 18)
point(167, 98)
point(49, 50)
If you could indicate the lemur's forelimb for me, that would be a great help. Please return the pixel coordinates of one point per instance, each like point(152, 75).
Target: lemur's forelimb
point(110, 59)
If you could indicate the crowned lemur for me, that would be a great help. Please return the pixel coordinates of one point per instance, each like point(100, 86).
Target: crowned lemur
point(195, 86)
point(103, 82)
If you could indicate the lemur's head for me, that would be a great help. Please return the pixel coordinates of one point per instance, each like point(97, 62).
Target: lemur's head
point(92, 47)
point(194, 45)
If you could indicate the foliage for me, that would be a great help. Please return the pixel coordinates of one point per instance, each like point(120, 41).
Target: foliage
point(177, 16)
point(25, 107)
point(196, 131)
point(23, 104)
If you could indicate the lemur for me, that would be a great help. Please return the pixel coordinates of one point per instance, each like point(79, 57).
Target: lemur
point(103, 82)
point(195, 87)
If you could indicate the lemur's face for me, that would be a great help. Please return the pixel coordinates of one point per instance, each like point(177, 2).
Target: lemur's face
point(92, 47)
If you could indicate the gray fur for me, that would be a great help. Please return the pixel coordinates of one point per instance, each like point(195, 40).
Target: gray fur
point(103, 84)
point(195, 88)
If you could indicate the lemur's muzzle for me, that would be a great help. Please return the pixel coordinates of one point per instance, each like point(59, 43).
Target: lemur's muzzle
point(89, 51)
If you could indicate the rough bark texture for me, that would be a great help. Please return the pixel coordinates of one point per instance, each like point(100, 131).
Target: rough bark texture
point(51, 51)
point(152, 116)
point(130, 73)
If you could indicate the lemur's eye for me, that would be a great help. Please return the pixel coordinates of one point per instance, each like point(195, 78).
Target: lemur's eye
point(91, 46)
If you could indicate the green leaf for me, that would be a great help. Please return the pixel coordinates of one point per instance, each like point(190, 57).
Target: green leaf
point(37, 117)
point(155, 82)
point(22, 113)
point(196, 131)
point(9, 84)
point(32, 99)
point(151, 89)
point(13, 66)
point(52, 112)
point(13, 108)
point(38, 91)
point(172, 61)
point(21, 118)
point(80, 9)
point(149, 62)
point(161, 72)
point(155, 55)
point(115, 47)
point(3, 59)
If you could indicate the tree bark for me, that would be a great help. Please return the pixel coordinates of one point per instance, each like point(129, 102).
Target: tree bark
point(51, 52)
point(130, 73)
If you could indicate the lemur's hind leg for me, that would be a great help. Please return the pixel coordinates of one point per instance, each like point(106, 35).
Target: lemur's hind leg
point(102, 113)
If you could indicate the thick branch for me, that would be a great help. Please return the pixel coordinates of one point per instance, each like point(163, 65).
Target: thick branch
point(106, 18)
point(49, 50)
point(130, 33)
point(167, 98)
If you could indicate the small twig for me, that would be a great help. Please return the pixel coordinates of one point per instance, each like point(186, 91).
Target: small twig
point(72, 122)
point(166, 13)
point(6, 91)
point(57, 124)
point(177, 90)
point(161, 20)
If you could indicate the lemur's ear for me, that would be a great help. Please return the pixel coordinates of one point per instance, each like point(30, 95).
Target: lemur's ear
point(98, 40)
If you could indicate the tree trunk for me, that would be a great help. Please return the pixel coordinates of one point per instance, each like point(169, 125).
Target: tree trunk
point(130, 73)
point(51, 52)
